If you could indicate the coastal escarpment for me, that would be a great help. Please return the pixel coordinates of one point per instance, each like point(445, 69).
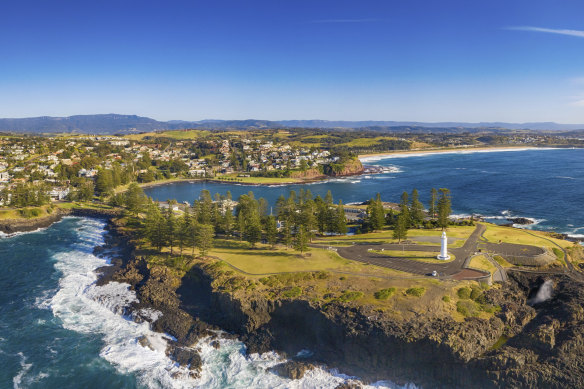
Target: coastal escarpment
point(525, 344)
point(11, 226)
point(350, 167)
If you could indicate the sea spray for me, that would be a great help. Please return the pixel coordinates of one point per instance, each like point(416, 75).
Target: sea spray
point(133, 348)
point(544, 293)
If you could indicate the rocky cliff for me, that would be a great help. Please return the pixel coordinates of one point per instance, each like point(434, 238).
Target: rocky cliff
point(11, 226)
point(523, 345)
point(350, 167)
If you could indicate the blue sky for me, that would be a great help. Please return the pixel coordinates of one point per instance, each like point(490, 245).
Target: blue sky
point(416, 60)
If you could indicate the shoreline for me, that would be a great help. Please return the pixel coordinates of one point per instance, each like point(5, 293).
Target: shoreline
point(313, 180)
point(14, 226)
point(265, 326)
point(278, 326)
point(458, 150)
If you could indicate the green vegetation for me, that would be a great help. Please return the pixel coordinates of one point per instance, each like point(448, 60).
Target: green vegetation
point(467, 308)
point(463, 293)
point(481, 262)
point(500, 342)
point(417, 292)
point(350, 296)
point(292, 292)
point(30, 212)
point(559, 253)
point(444, 208)
point(384, 294)
point(497, 234)
point(501, 261)
point(446, 299)
point(472, 301)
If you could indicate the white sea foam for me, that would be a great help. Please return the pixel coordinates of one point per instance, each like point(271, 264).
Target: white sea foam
point(25, 367)
point(84, 307)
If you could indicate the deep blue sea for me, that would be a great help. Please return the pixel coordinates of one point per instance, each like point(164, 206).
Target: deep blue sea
point(546, 185)
point(59, 330)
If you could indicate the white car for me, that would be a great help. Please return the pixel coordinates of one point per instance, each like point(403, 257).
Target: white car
point(434, 273)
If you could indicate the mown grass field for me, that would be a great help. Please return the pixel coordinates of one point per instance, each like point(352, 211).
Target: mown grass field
point(518, 236)
point(482, 263)
point(386, 236)
point(264, 260)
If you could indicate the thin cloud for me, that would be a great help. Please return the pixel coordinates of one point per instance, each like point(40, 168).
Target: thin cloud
point(344, 20)
point(576, 33)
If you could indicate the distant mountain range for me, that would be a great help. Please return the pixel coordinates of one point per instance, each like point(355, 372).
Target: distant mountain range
point(124, 124)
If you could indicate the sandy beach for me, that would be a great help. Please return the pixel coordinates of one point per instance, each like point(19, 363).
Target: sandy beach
point(421, 152)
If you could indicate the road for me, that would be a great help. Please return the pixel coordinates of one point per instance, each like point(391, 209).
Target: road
point(362, 253)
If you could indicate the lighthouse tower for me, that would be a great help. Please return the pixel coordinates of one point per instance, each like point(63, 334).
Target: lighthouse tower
point(443, 248)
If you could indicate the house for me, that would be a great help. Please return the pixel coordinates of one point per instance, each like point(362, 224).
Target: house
point(58, 194)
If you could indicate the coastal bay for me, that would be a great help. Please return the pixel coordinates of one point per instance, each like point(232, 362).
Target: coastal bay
point(495, 184)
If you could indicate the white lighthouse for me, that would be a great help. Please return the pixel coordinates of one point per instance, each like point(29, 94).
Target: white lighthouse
point(443, 248)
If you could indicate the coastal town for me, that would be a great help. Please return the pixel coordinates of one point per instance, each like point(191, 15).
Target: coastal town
point(60, 168)
point(35, 170)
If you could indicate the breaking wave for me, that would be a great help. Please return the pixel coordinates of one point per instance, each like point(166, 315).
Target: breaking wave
point(133, 348)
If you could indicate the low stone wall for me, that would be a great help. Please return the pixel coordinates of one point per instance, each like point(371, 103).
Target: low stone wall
point(522, 255)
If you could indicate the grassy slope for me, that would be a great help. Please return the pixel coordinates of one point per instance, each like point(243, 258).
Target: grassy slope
point(482, 263)
point(263, 260)
point(386, 236)
point(518, 236)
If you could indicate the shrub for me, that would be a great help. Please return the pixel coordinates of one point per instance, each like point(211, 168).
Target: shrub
point(467, 308)
point(350, 296)
point(475, 292)
point(464, 293)
point(30, 212)
point(559, 253)
point(270, 281)
point(321, 275)
point(418, 292)
point(384, 294)
point(446, 299)
point(295, 291)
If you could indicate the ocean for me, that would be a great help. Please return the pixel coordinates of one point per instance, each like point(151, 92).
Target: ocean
point(59, 330)
point(545, 185)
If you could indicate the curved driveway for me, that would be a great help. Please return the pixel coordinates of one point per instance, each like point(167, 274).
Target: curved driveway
point(361, 253)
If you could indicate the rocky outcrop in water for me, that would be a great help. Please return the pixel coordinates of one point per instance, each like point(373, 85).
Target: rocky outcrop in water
point(350, 167)
point(520, 220)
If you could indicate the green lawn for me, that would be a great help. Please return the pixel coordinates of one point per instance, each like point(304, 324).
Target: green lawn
point(386, 236)
point(518, 236)
point(263, 260)
point(482, 263)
